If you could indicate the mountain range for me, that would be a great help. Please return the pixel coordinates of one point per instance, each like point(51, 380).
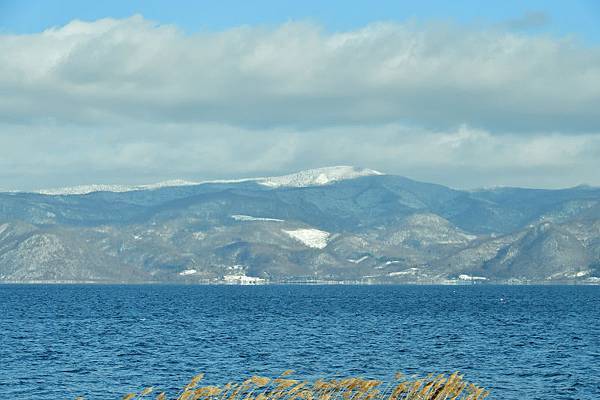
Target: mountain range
point(327, 225)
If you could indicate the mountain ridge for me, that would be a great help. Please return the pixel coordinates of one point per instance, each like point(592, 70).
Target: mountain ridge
point(340, 224)
point(309, 177)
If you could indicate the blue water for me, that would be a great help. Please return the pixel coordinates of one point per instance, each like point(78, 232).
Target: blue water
point(103, 341)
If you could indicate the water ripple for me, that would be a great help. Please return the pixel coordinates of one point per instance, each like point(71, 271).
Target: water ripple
point(103, 341)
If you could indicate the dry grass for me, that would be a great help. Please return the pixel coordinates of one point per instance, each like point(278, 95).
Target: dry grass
point(438, 387)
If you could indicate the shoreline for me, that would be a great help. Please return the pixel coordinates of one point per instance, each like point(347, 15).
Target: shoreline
point(304, 283)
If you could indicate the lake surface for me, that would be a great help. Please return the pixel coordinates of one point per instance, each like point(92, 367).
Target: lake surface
point(522, 342)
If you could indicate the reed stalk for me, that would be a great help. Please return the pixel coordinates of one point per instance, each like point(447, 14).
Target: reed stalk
point(440, 387)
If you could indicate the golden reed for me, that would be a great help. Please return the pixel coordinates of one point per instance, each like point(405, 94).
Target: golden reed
point(440, 387)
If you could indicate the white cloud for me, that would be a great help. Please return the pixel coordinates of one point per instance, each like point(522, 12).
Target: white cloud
point(147, 152)
point(298, 75)
point(129, 101)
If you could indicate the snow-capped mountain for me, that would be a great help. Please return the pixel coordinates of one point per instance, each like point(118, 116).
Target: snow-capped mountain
point(336, 224)
point(311, 177)
point(318, 176)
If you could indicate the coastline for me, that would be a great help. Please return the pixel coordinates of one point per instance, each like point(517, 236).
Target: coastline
point(303, 283)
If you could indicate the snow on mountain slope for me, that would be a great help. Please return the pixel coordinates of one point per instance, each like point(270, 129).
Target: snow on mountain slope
point(309, 237)
point(85, 189)
point(310, 177)
point(317, 177)
point(249, 218)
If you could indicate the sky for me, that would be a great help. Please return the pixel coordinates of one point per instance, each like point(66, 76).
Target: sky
point(464, 93)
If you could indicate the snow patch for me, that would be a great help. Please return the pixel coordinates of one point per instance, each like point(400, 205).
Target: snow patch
point(387, 263)
point(250, 218)
point(318, 177)
point(467, 236)
point(199, 235)
point(569, 274)
point(465, 277)
point(359, 260)
point(188, 272)
point(314, 238)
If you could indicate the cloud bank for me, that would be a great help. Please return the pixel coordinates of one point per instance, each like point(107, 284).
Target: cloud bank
point(132, 101)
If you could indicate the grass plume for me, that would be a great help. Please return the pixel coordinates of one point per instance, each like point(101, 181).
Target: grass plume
point(440, 387)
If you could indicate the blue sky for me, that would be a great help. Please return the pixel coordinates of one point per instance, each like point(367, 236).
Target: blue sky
point(575, 17)
point(462, 93)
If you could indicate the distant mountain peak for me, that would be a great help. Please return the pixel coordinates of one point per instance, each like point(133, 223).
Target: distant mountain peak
point(585, 186)
point(318, 176)
point(309, 177)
